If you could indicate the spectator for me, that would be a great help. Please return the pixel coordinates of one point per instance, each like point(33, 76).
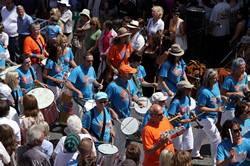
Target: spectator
point(53, 29)
point(182, 158)
point(4, 111)
point(47, 146)
point(137, 40)
point(56, 12)
point(127, 8)
point(4, 41)
point(31, 153)
point(9, 142)
point(5, 157)
point(23, 24)
point(133, 152)
point(9, 19)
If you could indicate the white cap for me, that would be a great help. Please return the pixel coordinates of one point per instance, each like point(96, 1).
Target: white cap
point(158, 96)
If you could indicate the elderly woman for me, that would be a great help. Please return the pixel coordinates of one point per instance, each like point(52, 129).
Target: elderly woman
point(12, 80)
point(34, 47)
point(177, 31)
point(155, 24)
point(58, 65)
point(30, 153)
point(234, 87)
point(233, 150)
point(32, 115)
point(180, 106)
point(172, 70)
point(98, 120)
point(209, 103)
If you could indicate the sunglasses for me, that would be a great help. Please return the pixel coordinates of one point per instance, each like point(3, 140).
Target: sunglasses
point(103, 102)
point(158, 115)
point(236, 130)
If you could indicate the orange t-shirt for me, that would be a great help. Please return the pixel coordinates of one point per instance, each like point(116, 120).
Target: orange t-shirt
point(151, 136)
point(31, 47)
point(117, 52)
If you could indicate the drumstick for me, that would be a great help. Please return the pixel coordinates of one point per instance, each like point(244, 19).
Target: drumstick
point(154, 82)
point(122, 127)
point(174, 118)
point(118, 120)
point(231, 136)
point(100, 84)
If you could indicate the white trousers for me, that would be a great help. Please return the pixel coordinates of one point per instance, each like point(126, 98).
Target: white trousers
point(185, 141)
point(227, 115)
point(213, 135)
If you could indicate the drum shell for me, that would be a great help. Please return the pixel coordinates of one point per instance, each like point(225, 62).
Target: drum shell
point(50, 114)
point(135, 110)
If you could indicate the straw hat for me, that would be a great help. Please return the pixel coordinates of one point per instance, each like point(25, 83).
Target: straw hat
point(122, 32)
point(85, 12)
point(133, 24)
point(64, 2)
point(176, 50)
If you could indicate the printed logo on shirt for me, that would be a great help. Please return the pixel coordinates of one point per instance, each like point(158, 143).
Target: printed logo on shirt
point(183, 109)
point(124, 95)
point(26, 80)
point(87, 80)
point(58, 68)
point(177, 72)
point(240, 88)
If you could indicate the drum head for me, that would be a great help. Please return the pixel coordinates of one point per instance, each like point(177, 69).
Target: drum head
point(44, 61)
point(107, 149)
point(89, 105)
point(44, 97)
point(193, 104)
point(129, 125)
point(4, 72)
point(143, 110)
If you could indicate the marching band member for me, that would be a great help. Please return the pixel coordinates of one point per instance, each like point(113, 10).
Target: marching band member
point(234, 87)
point(153, 142)
point(34, 47)
point(138, 78)
point(242, 115)
point(157, 98)
point(98, 120)
point(209, 101)
point(60, 60)
point(234, 150)
point(172, 70)
point(81, 82)
point(27, 75)
point(180, 105)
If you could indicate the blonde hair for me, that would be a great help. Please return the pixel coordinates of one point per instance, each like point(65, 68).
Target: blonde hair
point(60, 39)
point(55, 11)
point(165, 158)
point(12, 79)
point(159, 10)
point(95, 20)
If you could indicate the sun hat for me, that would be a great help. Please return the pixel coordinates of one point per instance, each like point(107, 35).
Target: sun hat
point(101, 95)
point(71, 143)
point(176, 50)
point(184, 84)
point(126, 69)
point(74, 125)
point(134, 24)
point(158, 96)
point(85, 12)
point(122, 32)
point(65, 2)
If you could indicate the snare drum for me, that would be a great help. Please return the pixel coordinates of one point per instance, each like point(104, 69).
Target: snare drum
point(106, 154)
point(129, 126)
point(45, 100)
point(139, 112)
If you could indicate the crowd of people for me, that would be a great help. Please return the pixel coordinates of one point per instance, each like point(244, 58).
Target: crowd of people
point(118, 79)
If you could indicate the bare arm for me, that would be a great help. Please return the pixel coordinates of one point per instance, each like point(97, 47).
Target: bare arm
point(73, 88)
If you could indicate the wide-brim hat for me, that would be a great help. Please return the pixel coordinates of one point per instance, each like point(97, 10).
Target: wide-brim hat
point(64, 2)
point(122, 32)
point(85, 12)
point(134, 24)
point(184, 84)
point(176, 50)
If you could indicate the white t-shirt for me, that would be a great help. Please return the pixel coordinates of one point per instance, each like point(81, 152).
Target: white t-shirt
point(60, 145)
point(152, 27)
point(67, 21)
point(9, 20)
point(137, 41)
point(63, 158)
point(4, 38)
point(4, 156)
point(13, 115)
point(13, 125)
point(220, 16)
point(5, 91)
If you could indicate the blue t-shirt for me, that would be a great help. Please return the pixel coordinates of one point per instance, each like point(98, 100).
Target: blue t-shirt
point(119, 96)
point(180, 106)
point(225, 146)
point(211, 98)
point(245, 126)
point(172, 74)
point(53, 31)
point(230, 85)
point(55, 70)
point(2, 59)
point(83, 80)
point(141, 73)
point(66, 58)
point(147, 117)
point(17, 94)
point(26, 81)
point(97, 123)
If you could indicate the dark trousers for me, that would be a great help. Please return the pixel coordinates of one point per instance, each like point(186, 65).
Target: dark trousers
point(14, 49)
point(20, 43)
